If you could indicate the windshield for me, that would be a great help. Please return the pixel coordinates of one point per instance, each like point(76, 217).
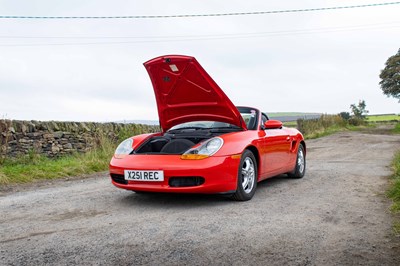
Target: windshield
point(249, 116)
point(202, 124)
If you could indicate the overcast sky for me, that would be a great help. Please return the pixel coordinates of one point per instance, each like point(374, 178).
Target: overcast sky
point(92, 70)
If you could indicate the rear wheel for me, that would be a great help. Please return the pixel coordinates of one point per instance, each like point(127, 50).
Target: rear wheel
point(247, 177)
point(300, 168)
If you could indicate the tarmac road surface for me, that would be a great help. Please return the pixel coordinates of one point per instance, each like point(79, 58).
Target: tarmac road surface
point(336, 215)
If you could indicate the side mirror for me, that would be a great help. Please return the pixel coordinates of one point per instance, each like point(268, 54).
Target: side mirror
point(272, 124)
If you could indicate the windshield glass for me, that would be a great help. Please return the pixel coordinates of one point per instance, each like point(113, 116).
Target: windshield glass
point(249, 116)
point(203, 124)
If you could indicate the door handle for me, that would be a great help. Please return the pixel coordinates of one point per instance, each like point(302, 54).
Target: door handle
point(288, 138)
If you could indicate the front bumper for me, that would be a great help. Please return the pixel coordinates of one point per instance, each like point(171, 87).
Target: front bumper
point(219, 173)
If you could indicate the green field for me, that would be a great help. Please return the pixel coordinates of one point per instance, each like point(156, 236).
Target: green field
point(290, 124)
point(383, 118)
point(274, 114)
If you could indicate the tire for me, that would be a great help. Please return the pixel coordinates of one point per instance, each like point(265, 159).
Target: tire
point(247, 177)
point(300, 167)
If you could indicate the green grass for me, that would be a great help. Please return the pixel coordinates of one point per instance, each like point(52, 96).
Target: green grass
point(33, 167)
point(396, 228)
point(323, 126)
point(396, 128)
point(324, 132)
point(330, 124)
point(383, 118)
point(394, 191)
point(290, 124)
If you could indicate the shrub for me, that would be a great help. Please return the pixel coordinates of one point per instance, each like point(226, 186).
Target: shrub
point(357, 121)
point(345, 115)
point(320, 125)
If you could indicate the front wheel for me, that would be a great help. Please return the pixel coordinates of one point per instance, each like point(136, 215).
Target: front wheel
point(300, 168)
point(247, 177)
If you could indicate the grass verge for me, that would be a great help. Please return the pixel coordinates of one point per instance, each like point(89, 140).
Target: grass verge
point(33, 167)
point(328, 131)
point(396, 129)
point(327, 125)
point(394, 191)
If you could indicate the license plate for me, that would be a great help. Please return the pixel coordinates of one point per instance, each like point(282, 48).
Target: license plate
point(144, 175)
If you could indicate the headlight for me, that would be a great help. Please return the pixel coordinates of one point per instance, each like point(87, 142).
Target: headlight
point(206, 149)
point(125, 147)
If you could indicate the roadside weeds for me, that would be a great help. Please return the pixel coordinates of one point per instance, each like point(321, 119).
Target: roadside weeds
point(394, 193)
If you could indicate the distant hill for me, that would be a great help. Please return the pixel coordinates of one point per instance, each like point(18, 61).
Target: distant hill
point(292, 116)
point(144, 122)
point(282, 116)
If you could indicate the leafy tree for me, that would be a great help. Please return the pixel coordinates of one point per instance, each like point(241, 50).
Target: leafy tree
point(359, 110)
point(345, 115)
point(390, 77)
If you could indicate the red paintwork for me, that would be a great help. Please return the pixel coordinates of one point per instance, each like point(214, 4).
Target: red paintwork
point(275, 148)
point(276, 154)
point(219, 172)
point(185, 92)
point(273, 124)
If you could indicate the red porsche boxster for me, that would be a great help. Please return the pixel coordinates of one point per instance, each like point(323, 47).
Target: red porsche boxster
point(206, 144)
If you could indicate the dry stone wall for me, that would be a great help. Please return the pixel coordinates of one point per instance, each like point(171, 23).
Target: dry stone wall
point(55, 138)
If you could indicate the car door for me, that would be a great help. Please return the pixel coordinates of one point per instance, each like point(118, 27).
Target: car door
point(276, 147)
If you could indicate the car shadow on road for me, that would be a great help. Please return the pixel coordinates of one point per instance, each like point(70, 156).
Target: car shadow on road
point(274, 182)
point(175, 200)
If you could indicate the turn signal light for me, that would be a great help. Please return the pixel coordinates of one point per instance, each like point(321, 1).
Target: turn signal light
point(193, 156)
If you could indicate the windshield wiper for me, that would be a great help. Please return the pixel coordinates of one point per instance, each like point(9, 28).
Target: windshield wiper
point(185, 128)
point(231, 128)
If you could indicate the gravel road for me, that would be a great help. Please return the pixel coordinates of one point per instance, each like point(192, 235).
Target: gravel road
point(336, 215)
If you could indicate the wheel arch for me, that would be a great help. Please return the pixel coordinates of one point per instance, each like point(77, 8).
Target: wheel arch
point(256, 154)
point(302, 142)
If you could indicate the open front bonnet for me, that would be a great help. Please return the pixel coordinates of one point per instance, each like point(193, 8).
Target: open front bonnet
point(185, 92)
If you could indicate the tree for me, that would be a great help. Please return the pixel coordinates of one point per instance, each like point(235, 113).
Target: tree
point(345, 115)
point(359, 110)
point(390, 77)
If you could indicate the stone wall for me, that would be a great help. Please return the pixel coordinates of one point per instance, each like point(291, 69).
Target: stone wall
point(59, 138)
